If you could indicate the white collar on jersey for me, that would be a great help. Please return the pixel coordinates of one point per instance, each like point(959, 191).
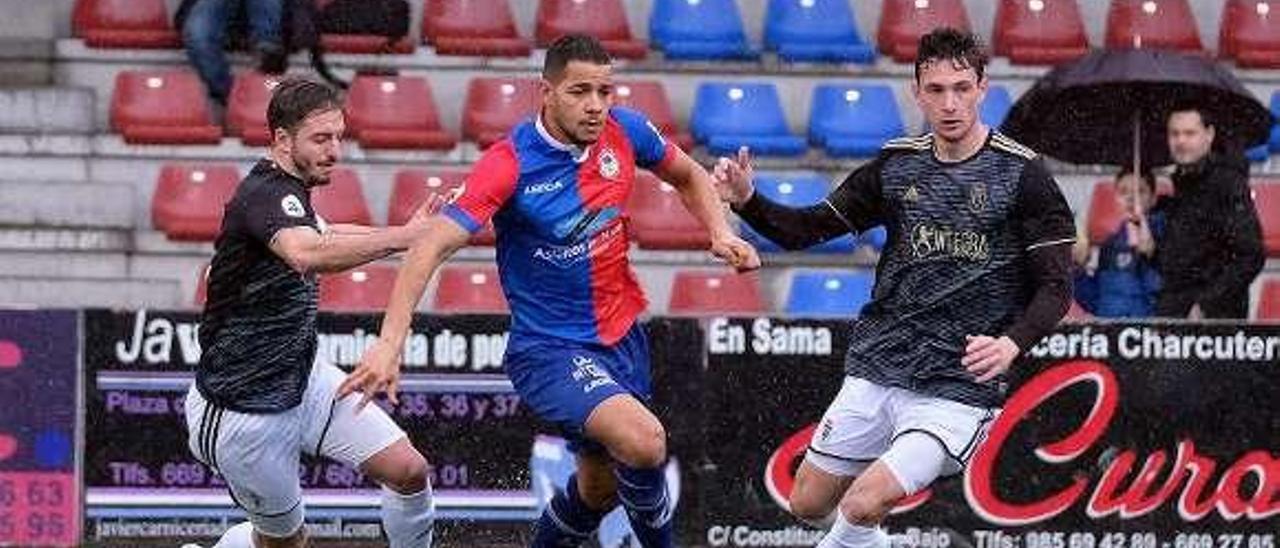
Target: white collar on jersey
point(579, 153)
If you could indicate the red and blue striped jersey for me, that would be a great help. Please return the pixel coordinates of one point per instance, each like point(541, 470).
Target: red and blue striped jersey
point(559, 215)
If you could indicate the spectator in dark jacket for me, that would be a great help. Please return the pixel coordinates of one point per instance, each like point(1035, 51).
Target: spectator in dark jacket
point(1212, 248)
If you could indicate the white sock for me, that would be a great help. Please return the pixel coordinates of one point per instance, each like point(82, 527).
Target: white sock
point(238, 536)
point(408, 519)
point(847, 535)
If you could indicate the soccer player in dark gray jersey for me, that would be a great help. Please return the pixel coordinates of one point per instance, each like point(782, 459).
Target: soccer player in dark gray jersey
point(260, 398)
point(975, 271)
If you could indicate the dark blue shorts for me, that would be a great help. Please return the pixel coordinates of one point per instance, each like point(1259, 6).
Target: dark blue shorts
point(564, 381)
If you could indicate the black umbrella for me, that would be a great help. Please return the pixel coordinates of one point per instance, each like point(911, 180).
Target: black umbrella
point(1108, 105)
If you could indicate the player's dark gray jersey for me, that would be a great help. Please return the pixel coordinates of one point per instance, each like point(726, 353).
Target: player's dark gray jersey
point(955, 263)
point(258, 331)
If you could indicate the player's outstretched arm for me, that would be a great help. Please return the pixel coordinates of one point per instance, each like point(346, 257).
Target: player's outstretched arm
point(697, 191)
point(347, 246)
point(851, 208)
point(379, 369)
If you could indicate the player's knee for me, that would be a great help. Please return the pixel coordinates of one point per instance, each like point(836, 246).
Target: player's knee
point(409, 474)
point(809, 510)
point(646, 447)
point(864, 507)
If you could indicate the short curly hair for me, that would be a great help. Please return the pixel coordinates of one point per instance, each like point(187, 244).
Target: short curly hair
point(964, 49)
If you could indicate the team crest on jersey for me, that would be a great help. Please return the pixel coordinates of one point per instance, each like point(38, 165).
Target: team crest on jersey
point(609, 166)
point(978, 198)
point(292, 206)
point(912, 194)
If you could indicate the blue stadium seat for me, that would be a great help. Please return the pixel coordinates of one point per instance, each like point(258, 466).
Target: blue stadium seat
point(699, 30)
point(996, 106)
point(876, 238)
point(800, 191)
point(729, 115)
point(1259, 153)
point(825, 293)
point(854, 120)
point(1274, 142)
point(815, 31)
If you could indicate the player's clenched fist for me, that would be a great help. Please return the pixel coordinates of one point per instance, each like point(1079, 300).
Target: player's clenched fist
point(734, 178)
point(738, 253)
point(379, 371)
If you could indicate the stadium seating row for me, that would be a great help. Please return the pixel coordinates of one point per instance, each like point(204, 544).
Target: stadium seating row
point(187, 205)
point(1026, 31)
point(399, 112)
point(815, 293)
point(475, 289)
point(188, 202)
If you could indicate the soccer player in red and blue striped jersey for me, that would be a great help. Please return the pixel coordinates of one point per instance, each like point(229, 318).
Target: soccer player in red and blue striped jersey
point(555, 190)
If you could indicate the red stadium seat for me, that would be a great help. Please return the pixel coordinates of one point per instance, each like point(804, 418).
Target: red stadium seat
point(649, 97)
point(247, 107)
point(700, 292)
point(1266, 198)
point(495, 105)
point(202, 286)
point(395, 112)
point(1039, 32)
point(604, 19)
point(1250, 34)
point(342, 200)
point(189, 199)
point(473, 27)
point(1167, 24)
point(469, 290)
point(162, 107)
point(1105, 215)
point(124, 24)
point(411, 189)
point(1269, 300)
point(659, 219)
point(362, 289)
point(902, 22)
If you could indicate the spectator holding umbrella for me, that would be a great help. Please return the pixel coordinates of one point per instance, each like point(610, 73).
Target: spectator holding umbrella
point(1212, 249)
point(1145, 107)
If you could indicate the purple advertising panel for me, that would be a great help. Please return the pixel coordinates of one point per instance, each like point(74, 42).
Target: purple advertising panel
point(39, 500)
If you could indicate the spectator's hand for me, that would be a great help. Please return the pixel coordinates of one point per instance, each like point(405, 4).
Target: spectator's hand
point(1196, 313)
point(987, 357)
point(737, 252)
point(734, 178)
point(1141, 238)
point(379, 371)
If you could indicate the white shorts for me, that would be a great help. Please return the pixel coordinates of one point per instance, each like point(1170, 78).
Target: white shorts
point(868, 422)
point(258, 454)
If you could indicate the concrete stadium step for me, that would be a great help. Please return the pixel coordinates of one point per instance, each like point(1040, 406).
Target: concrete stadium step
point(71, 205)
point(183, 270)
point(42, 168)
point(47, 110)
point(45, 291)
point(82, 264)
point(64, 239)
point(26, 61)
